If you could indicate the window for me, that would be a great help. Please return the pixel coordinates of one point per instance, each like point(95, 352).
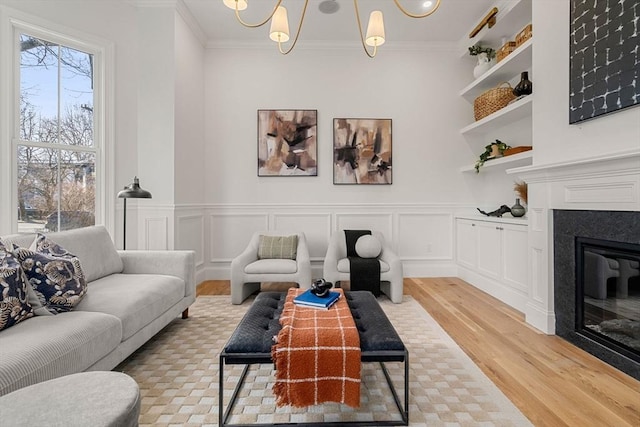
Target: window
point(58, 154)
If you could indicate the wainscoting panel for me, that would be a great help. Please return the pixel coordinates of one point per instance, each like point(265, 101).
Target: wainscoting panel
point(316, 227)
point(421, 234)
point(229, 233)
point(363, 220)
point(191, 235)
point(156, 233)
point(425, 236)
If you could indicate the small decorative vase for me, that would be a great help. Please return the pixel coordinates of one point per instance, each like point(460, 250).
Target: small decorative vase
point(524, 87)
point(518, 210)
point(483, 65)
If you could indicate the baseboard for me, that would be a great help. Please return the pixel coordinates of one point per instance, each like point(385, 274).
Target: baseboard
point(501, 291)
point(540, 319)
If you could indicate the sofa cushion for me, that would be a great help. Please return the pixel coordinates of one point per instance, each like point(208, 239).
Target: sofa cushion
point(14, 300)
point(46, 347)
point(272, 266)
point(344, 266)
point(95, 249)
point(278, 247)
point(54, 274)
point(135, 299)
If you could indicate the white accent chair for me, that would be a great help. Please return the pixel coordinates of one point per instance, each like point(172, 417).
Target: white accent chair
point(337, 267)
point(247, 271)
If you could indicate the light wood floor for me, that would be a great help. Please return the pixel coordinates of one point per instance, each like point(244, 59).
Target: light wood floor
point(551, 381)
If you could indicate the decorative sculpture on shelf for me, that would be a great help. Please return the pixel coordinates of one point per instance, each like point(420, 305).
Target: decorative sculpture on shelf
point(498, 212)
point(320, 288)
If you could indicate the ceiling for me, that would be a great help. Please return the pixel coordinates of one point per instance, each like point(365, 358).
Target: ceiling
point(451, 22)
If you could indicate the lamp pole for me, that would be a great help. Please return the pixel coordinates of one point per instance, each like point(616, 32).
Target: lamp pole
point(131, 191)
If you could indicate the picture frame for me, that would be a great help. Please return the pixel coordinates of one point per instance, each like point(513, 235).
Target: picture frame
point(287, 143)
point(603, 75)
point(362, 151)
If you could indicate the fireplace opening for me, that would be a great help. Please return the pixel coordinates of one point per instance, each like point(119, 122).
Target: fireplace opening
point(608, 294)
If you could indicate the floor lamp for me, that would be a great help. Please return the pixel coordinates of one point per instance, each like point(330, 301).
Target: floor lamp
point(131, 191)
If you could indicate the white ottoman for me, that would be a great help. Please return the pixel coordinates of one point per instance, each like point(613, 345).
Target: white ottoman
point(86, 399)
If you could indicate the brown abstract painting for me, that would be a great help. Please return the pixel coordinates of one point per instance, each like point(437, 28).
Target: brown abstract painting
point(287, 143)
point(362, 151)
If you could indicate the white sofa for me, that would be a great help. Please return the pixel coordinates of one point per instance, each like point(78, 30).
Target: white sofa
point(131, 296)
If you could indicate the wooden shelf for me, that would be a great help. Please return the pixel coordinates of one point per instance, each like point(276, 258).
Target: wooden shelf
point(509, 114)
point(519, 60)
point(511, 19)
point(515, 160)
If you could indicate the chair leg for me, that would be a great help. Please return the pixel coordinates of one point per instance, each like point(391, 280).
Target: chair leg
point(185, 313)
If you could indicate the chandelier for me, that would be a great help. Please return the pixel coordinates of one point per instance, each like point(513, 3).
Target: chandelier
point(279, 31)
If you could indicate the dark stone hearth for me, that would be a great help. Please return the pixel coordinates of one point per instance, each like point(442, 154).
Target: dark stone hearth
point(606, 225)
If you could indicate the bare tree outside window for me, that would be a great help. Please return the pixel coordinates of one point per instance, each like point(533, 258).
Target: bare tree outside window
point(56, 150)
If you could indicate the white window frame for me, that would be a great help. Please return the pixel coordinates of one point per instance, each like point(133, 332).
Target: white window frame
point(12, 24)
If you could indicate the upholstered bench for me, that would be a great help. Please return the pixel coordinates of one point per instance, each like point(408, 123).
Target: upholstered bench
point(97, 399)
point(252, 340)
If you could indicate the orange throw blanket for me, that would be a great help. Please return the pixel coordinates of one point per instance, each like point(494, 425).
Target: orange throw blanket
point(317, 355)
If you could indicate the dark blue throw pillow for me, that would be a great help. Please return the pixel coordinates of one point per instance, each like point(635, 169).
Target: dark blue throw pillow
point(54, 274)
point(14, 303)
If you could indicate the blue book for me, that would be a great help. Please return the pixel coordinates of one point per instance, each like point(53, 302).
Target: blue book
point(308, 299)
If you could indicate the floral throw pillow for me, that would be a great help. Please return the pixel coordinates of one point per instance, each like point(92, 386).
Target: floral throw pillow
point(54, 274)
point(14, 303)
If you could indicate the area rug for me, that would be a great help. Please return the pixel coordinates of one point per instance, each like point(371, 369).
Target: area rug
point(177, 372)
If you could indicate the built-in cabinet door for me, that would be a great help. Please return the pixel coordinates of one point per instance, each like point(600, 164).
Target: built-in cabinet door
point(489, 248)
point(466, 243)
point(514, 256)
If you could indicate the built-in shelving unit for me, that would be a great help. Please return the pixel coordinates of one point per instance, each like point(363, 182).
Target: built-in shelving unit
point(513, 16)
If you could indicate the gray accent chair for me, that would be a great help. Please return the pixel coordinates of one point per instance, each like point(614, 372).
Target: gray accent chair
point(598, 269)
point(628, 269)
point(337, 267)
point(247, 271)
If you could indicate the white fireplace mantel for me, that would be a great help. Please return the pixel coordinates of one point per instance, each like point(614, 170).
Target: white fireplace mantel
point(609, 183)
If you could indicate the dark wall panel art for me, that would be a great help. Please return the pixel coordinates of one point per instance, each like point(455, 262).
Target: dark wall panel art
point(604, 57)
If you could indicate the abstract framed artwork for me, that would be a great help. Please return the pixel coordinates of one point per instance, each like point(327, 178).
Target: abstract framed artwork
point(604, 59)
point(362, 151)
point(287, 143)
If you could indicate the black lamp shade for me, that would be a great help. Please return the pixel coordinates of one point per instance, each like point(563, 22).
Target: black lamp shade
point(133, 191)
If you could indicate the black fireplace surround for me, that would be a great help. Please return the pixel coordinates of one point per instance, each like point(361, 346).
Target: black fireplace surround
point(568, 227)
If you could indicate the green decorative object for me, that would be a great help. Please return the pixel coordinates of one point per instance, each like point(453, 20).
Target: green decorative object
point(495, 149)
point(477, 50)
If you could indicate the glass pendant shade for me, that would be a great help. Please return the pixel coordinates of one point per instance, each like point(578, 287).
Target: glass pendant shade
point(279, 31)
point(231, 4)
point(375, 29)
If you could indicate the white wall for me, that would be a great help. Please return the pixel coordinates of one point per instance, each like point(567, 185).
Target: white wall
point(416, 89)
point(114, 22)
point(189, 115)
point(554, 139)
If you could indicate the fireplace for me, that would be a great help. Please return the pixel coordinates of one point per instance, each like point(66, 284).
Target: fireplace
point(597, 284)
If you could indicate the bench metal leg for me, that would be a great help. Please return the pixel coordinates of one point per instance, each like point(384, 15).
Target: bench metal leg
point(224, 414)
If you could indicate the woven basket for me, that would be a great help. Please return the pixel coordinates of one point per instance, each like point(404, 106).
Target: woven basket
point(492, 100)
point(505, 50)
point(524, 35)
